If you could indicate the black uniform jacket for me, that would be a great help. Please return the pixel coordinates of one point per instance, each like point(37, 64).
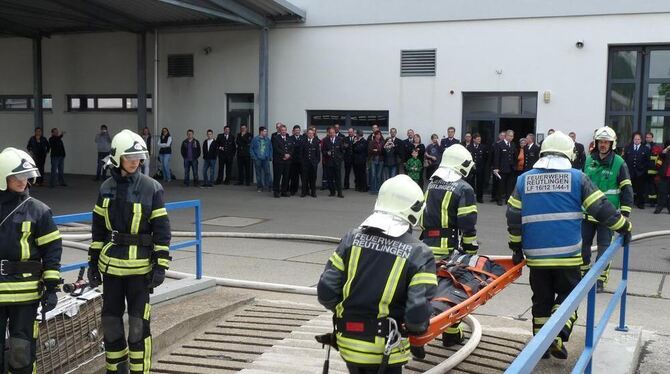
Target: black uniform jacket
point(282, 146)
point(227, 147)
point(531, 153)
point(504, 157)
point(310, 152)
point(130, 205)
point(332, 151)
point(28, 233)
point(481, 155)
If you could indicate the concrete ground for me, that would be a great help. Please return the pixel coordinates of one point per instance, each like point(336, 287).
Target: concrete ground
point(300, 263)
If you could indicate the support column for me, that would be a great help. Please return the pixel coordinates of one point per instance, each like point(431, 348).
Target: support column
point(37, 82)
point(141, 81)
point(263, 80)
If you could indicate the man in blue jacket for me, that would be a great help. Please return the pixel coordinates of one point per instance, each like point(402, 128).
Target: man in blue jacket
point(261, 154)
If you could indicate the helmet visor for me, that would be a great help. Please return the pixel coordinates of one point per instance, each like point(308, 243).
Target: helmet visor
point(26, 175)
point(135, 156)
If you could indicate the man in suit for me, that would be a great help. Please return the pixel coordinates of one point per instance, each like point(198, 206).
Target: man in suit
point(580, 153)
point(360, 158)
point(332, 161)
point(296, 159)
point(404, 153)
point(494, 181)
point(503, 166)
point(348, 156)
point(282, 151)
point(243, 143)
point(209, 154)
point(310, 157)
point(481, 155)
point(226, 144)
point(450, 139)
point(636, 156)
point(531, 153)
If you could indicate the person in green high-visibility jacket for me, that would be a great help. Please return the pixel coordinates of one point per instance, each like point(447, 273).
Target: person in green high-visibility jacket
point(608, 172)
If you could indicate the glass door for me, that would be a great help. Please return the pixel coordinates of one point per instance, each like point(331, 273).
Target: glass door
point(656, 98)
point(240, 112)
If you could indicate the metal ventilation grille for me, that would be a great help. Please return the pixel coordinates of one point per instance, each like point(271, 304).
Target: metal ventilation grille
point(180, 66)
point(417, 63)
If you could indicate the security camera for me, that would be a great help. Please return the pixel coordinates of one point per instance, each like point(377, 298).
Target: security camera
point(579, 44)
point(207, 50)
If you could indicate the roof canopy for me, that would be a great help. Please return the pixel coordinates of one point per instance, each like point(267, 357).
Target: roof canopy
point(35, 18)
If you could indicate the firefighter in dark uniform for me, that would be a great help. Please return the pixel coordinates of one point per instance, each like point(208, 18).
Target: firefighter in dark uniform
point(379, 282)
point(481, 157)
point(451, 216)
point(295, 170)
point(609, 173)
point(311, 156)
point(130, 247)
point(30, 254)
point(544, 215)
point(282, 153)
point(531, 153)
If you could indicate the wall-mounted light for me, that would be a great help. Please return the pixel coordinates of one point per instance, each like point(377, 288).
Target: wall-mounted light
point(207, 50)
point(547, 96)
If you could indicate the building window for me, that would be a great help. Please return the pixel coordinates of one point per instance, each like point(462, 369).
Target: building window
point(638, 92)
point(180, 65)
point(117, 103)
point(24, 103)
point(360, 119)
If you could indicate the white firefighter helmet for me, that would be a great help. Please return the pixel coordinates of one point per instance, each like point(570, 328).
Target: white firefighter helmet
point(560, 144)
point(458, 159)
point(605, 133)
point(400, 203)
point(17, 163)
point(129, 145)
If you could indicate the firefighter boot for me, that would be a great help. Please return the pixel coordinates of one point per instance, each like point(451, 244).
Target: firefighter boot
point(558, 350)
point(453, 336)
point(600, 286)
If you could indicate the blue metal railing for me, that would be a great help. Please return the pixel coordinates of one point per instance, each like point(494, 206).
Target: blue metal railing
point(529, 357)
point(197, 242)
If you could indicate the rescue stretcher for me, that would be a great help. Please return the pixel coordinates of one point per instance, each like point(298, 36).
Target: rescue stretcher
point(440, 322)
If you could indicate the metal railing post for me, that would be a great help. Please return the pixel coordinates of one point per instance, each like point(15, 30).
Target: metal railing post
point(624, 279)
point(590, 325)
point(198, 245)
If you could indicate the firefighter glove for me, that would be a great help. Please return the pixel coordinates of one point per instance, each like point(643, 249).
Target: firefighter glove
point(328, 339)
point(157, 277)
point(49, 300)
point(625, 231)
point(418, 352)
point(517, 257)
point(94, 276)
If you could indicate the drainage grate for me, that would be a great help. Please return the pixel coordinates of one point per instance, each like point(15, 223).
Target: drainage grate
point(277, 337)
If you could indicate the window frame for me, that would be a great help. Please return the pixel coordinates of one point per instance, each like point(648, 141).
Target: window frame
point(29, 103)
point(83, 105)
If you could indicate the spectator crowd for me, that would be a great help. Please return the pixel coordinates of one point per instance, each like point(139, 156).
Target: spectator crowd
point(287, 163)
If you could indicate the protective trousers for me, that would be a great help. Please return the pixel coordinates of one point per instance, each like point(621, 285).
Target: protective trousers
point(23, 331)
point(372, 369)
point(589, 231)
point(117, 292)
point(550, 288)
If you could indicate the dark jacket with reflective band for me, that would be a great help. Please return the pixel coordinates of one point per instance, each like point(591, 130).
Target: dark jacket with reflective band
point(450, 205)
point(132, 205)
point(373, 276)
point(615, 184)
point(29, 234)
point(545, 213)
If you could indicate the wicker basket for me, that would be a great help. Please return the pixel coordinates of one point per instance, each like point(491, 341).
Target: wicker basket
point(71, 334)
